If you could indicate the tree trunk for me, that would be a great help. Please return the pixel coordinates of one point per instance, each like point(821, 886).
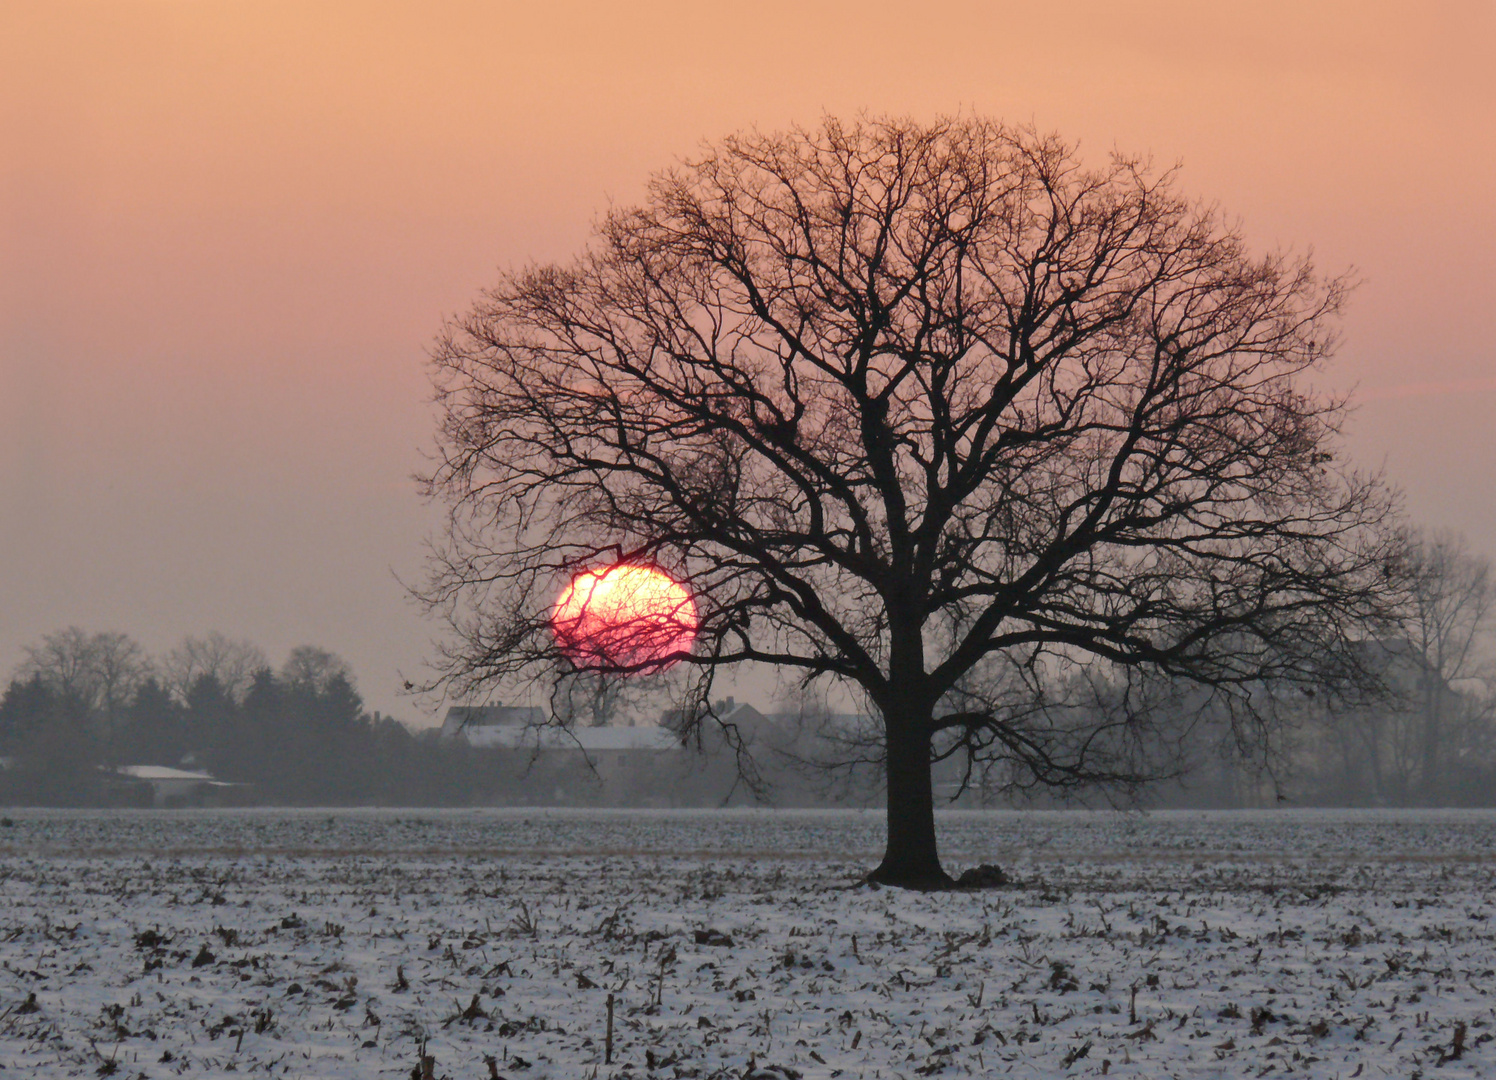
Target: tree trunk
point(1432, 736)
point(910, 860)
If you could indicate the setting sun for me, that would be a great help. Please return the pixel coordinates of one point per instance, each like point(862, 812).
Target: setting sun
point(623, 616)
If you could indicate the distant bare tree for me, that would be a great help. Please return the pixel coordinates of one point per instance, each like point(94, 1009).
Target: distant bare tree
point(1376, 745)
point(315, 668)
point(101, 671)
point(1436, 661)
point(901, 400)
point(1449, 620)
point(589, 698)
point(64, 661)
point(232, 663)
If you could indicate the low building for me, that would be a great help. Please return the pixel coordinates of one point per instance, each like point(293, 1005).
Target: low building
point(489, 726)
point(524, 727)
point(171, 787)
point(554, 764)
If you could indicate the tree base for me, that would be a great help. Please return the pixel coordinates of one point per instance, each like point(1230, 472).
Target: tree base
point(986, 876)
point(922, 878)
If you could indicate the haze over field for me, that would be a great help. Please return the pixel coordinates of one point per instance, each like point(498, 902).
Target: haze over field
point(229, 232)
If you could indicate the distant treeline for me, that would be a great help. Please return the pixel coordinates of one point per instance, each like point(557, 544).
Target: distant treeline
point(85, 703)
point(82, 705)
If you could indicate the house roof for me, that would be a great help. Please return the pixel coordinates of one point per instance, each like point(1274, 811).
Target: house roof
point(600, 739)
point(468, 717)
point(162, 772)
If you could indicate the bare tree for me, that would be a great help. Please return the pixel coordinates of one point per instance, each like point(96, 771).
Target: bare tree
point(232, 663)
point(64, 661)
point(1449, 619)
point(315, 668)
point(899, 401)
point(590, 698)
point(101, 672)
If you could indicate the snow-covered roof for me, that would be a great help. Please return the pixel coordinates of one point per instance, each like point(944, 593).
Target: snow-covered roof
point(468, 718)
point(600, 739)
point(162, 772)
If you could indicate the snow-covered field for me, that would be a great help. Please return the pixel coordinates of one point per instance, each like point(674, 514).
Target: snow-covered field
point(338, 943)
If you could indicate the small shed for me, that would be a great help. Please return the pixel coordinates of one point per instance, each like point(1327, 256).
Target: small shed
point(183, 787)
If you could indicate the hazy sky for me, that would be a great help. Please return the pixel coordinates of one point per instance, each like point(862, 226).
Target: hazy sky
point(229, 230)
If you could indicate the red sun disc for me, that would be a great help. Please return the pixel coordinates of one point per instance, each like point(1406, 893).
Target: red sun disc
point(623, 616)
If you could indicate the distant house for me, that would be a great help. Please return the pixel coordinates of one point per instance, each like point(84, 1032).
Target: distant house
point(740, 755)
point(489, 726)
point(732, 719)
point(523, 727)
point(740, 714)
point(170, 787)
point(555, 764)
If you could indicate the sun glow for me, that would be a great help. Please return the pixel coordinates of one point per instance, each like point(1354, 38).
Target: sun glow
point(624, 616)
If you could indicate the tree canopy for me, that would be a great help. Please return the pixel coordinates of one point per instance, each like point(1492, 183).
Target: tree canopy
point(996, 437)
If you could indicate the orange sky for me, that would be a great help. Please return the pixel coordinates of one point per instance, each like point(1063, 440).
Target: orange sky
point(228, 230)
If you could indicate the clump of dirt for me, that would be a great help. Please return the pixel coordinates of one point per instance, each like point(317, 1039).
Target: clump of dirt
point(986, 876)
